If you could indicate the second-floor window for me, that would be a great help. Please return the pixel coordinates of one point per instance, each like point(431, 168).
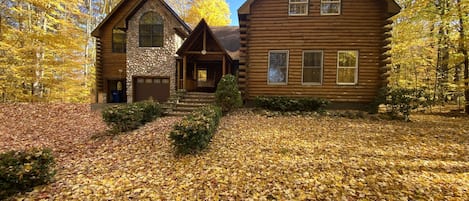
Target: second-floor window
point(119, 38)
point(330, 7)
point(298, 7)
point(151, 30)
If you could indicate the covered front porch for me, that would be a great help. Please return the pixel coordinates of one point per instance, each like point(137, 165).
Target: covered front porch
point(202, 74)
point(202, 61)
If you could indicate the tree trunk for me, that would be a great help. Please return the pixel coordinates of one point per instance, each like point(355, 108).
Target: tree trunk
point(443, 51)
point(463, 49)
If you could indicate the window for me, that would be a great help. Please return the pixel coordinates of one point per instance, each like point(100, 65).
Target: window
point(330, 7)
point(119, 38)
point(151, 30)
point(312, 67)
point(298, 7)
point(347, 67)
point(278, 67)
point(202, 75)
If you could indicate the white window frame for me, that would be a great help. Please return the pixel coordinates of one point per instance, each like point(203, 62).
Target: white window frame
point(286, 71)
point(321, 67)
point(357, 53)
point(290, 3)
point(329, 2)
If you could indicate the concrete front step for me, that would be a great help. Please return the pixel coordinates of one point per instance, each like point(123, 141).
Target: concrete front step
point(196, 101)
point(192, 101)
point(178, 114)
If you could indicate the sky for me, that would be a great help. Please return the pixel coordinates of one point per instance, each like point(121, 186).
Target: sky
point(234, 5)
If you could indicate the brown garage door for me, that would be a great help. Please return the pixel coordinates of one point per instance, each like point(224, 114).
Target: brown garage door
point(156, 88)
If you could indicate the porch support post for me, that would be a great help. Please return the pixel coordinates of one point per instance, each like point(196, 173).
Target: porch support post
point(224, 65)
point(184, 71)
point(178, 74)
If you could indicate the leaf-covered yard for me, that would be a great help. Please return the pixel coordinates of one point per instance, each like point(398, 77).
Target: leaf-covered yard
point(251, 157)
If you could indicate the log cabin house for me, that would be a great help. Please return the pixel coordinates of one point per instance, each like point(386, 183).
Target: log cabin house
point(333, 49)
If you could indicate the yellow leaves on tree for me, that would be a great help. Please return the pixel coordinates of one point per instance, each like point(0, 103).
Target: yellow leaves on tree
point(42, 51)
point(215, 12)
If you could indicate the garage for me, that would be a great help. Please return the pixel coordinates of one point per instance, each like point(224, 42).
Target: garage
point(156, 88)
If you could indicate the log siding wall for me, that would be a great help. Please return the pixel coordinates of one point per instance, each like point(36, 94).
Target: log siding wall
point(359, 27)
point(109, 63)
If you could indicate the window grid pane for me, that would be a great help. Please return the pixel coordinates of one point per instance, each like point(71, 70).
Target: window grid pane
point(347, 66)
point(278, 67)
point(330, 7)
point(119, 38)
point(312, 67)
point(151, 30)
point(298, 7)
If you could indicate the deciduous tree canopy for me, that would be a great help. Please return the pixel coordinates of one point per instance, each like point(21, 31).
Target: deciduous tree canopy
point(428, 48)
point(215, 12)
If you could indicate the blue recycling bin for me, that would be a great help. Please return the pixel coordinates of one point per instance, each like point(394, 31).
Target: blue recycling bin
point(116, 98)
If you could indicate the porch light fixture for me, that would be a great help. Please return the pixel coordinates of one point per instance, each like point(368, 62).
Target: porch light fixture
point(204, 52)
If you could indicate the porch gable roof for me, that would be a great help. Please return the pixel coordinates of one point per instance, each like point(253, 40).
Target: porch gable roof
point(226, 39)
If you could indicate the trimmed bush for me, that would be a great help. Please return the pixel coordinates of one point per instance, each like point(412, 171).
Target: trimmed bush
point(286, 104)
point(227, 96)
point(402, 101)
point(23, 170)
point(123, 118)
point(195, 131)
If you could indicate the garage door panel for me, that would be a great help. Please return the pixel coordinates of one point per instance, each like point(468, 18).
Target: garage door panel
point(154, 87)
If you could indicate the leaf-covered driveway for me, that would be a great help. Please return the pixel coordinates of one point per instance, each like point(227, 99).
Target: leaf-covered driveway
point(264, 158)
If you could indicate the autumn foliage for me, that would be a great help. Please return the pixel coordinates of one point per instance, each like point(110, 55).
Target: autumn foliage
point(215, 12)
point(251, 157)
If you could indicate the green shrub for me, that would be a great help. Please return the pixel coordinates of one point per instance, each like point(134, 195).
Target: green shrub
point(195, 131)
point(401, 101)
point(123, 118)
point(23, 170)
point(287, 104)
point(151, 110)
point(227, 96)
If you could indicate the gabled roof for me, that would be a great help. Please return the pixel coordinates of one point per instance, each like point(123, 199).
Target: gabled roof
point(392, 7)
point(229, 38)
point(226, 38)
point(132, 11)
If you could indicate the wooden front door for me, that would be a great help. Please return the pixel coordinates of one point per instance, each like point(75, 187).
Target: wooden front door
point(156, 88)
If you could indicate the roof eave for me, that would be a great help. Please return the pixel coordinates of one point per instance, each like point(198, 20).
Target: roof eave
point(96, 32)
point(393, 8)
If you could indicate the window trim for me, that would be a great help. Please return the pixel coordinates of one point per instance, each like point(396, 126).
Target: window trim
point(287, 66)
point(300, 14)
point(355, 67)
point(321, 67)
point(331, 1)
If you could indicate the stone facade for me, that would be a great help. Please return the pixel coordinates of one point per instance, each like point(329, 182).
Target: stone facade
point(152, 61)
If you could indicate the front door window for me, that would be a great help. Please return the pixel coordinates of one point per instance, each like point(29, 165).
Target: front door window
point(202, 75)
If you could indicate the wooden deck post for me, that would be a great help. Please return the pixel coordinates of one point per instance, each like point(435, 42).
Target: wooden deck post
point(184, 71)
point(224, 65)
point(178, 74)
